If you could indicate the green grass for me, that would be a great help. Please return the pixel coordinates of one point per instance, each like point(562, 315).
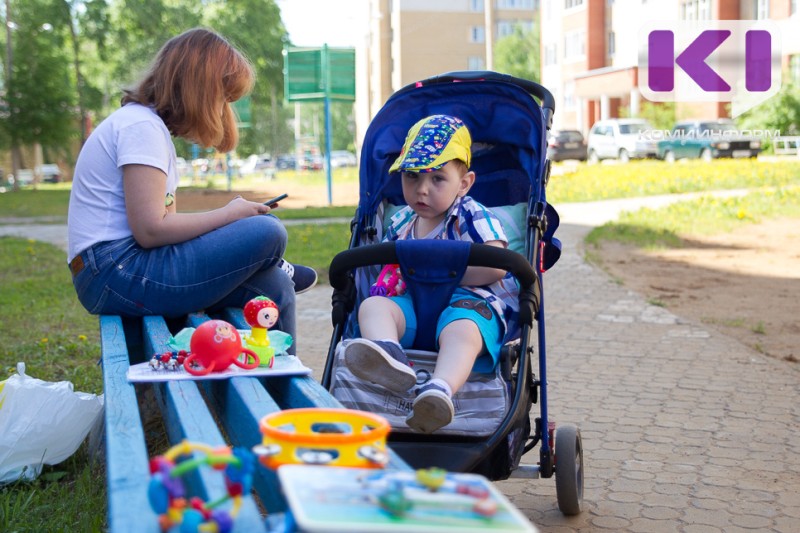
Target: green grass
point(648, 178)
point(316, 244)
point(35, 203)
point(707, 215)
point(46, 327)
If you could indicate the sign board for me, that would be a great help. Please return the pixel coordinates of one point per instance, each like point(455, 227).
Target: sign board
point(242, 109)
point(312, 74)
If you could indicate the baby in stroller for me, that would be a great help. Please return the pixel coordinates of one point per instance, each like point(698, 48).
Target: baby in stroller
point(436, 178)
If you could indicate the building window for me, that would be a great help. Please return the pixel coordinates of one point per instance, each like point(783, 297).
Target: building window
point(477, 34)
point(569, 96)
point(612, 44)
point(762, 9)
point(689, 10)
point(704, 10)
point(569, 4)
point(476, 63)
point(507, 27)
point(575, 45)
point(550, 54)
point(476, 5)
point(793, 7)
point(515, 4)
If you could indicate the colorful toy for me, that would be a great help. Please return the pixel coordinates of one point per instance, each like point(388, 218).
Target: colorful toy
point(389, 283)
point(216, 345)
point(335, 437)
point(261, 313)
point(433, 490)
point(168, 360)
point(167, 494)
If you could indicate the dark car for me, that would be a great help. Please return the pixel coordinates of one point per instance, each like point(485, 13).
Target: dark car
point(566, 144)
point(707, 140)
point(286, 162)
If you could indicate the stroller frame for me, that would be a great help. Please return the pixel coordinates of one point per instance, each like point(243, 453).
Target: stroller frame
point(493, 456)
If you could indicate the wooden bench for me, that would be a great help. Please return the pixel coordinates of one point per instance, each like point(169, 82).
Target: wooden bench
point(213, 412)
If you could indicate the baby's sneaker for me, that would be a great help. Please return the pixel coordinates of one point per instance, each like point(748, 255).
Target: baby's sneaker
point(381, 362)
point(432, 409)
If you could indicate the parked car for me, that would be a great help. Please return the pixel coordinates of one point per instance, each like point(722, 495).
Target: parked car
point(256, 163)
point(621, 138)
point(24, 176)
point(343, 158)
point(566, 144)
point(312, 162)
point(50, 173)
point(707, 140)
point(286, 162)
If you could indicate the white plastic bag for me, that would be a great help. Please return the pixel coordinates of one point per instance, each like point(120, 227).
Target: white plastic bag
point(41, 422)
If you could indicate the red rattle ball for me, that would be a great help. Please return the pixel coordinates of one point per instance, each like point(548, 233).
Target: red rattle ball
point(216, 345)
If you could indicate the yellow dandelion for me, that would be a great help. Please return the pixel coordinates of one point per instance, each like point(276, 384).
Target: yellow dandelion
point(44, 340)
point(82, 338)
point(741, 214)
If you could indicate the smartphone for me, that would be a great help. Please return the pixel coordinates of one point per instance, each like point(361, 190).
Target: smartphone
point(273, 201)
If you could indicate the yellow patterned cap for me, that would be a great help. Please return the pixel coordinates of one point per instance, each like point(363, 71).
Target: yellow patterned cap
point(432, 142)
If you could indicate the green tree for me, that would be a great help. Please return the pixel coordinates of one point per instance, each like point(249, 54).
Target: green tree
point(518, 53)
point(781, 112)
point(660, 114)
point(255, 28)
point(40, 95)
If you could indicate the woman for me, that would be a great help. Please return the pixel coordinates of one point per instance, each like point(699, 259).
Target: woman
point(130, 252)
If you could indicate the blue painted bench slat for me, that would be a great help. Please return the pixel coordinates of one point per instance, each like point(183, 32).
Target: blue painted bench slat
point(127, 467)
point(213, 412)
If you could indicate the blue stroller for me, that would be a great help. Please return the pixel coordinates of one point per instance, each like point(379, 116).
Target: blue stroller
point(492, 428)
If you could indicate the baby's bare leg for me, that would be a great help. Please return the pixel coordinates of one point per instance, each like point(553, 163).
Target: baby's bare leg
point(460, 343)
point(381, 319)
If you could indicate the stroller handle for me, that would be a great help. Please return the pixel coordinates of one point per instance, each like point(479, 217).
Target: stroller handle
point(546, 97)
point(481, 255)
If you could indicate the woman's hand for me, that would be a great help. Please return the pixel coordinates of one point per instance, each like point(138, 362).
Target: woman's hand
point(239, 208)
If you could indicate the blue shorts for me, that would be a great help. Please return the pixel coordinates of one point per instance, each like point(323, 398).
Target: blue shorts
point(463, 305)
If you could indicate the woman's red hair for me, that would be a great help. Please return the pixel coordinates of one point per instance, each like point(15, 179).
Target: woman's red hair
point(191, 83)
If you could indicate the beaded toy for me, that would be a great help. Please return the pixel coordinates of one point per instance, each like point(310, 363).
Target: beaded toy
point(167, 494)
point(168, 360)
point(389, 283)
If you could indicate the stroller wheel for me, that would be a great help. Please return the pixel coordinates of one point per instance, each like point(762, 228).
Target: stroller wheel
point(569, 469)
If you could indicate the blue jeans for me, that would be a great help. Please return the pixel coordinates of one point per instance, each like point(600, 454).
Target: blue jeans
point(223, 268)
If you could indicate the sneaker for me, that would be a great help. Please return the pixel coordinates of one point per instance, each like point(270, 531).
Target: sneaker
point(433, 409)
point(380, 362)
point(304, 277)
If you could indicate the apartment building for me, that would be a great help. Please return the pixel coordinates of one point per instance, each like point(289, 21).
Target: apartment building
point(410, 40)
point(590, 51)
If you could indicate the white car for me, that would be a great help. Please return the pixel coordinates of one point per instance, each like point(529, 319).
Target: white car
point(343, 158)
point(620, 138)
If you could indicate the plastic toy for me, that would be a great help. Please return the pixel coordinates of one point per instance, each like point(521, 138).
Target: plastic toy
point(216, 345)
point(434, 491)
point(323, 436)
point(389, 283)
point(261, 313)
point(168, 360)
point(167, 494)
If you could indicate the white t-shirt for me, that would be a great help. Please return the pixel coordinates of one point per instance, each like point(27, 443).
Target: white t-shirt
point(133, 134)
